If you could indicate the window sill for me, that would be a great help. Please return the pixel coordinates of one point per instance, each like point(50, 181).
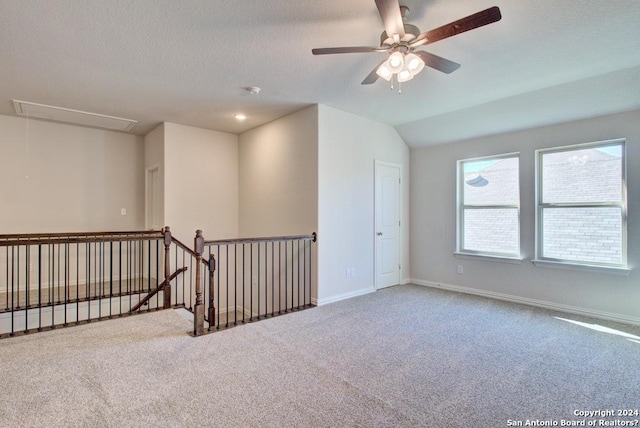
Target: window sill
point(496, 259)
point(588, 268)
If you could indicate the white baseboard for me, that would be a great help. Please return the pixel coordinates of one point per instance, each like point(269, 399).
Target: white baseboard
point(609, 316)
point(344, 296)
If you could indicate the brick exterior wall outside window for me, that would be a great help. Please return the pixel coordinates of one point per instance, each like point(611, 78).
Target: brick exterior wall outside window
point(584, 234)
point(492, 230)
point(581, 234)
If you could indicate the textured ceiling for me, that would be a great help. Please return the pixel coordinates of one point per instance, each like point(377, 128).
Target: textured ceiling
point(189, 62)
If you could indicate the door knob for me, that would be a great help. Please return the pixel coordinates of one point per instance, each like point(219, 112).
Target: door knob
point(379, 233)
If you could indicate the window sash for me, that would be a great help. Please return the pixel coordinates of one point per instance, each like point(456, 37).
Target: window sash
point(541, 242)
point(462, 208)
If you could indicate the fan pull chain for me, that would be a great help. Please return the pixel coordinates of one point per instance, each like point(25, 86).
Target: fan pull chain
point(394, 78)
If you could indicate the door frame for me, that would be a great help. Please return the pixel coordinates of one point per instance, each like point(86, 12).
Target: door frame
point(377, 163)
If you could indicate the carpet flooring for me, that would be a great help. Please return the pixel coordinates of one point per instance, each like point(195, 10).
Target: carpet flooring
point(407, 356)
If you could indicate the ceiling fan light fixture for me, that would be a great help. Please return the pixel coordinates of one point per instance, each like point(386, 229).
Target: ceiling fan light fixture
point(414, 63)
point(384, 72)
point(404, 76)
point(395, 62)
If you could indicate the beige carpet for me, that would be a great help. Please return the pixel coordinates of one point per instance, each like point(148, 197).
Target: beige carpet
point(405, 356)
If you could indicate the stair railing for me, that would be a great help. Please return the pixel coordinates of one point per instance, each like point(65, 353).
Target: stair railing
point(53, 279)
point(58, 279)
point(252, 279)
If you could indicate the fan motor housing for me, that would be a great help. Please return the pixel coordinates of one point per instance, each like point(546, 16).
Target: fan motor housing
point(411, 32)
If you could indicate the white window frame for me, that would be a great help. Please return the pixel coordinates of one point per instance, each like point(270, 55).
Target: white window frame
point(460, 209)
point(540, 260)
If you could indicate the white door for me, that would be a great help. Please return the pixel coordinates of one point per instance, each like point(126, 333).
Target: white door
point(387, 222)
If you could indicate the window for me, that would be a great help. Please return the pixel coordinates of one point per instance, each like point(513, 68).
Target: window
point(489, 206)
point(581, 215)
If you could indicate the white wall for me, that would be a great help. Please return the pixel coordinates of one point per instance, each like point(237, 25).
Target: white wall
point(433, 208)
point(200, 182)
point(348, 146)
point(78, 178)
point(154, 157)
point(279, 176)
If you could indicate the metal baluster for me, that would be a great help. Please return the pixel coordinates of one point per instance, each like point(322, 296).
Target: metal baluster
point(235, 284)
point(279, 277)
point(99, 291)
point(218, 287)
point(212, 309)
point(129, 292)
point(21, 300)
point(258, 282)
point(286, 277)
point(266, 281)
point(293, 271)
point(13, 292)
point(110, 279)
point(226, 284)
point(26, 289)
point(273, 295)
point(184, 302)
point(88, 282)
point(251, 283)
point(66, 282)
point(304, 274)
point(148, 270)
point(17, 269)
point(40, 287)
point(77, 282)
point(158, 275)
point(120, 278)
point(243, 280)
point(298, 253)
point(139, 270)
point(6, 305)
point(191, 283)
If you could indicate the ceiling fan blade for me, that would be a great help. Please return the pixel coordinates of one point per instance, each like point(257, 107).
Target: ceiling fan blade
point(350, 49)
point(391, 17)
point(373, 76)
point(485, 17)
point(437, 62)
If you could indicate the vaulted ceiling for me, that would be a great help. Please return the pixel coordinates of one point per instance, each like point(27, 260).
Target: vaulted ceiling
point(190, 62)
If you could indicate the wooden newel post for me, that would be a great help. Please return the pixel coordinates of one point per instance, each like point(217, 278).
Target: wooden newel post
point(167, 271)
point(198, 309)
point(212, 308)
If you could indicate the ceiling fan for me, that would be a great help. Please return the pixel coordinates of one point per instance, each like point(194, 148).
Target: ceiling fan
point(400, 41)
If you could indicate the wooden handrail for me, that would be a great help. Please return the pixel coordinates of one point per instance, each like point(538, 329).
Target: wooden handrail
point(73, 238)
point(182, 245)
point(313, 237)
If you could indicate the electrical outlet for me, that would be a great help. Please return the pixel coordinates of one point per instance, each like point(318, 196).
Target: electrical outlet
point(460, 270)
point(123, 211)
point(348, 273)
